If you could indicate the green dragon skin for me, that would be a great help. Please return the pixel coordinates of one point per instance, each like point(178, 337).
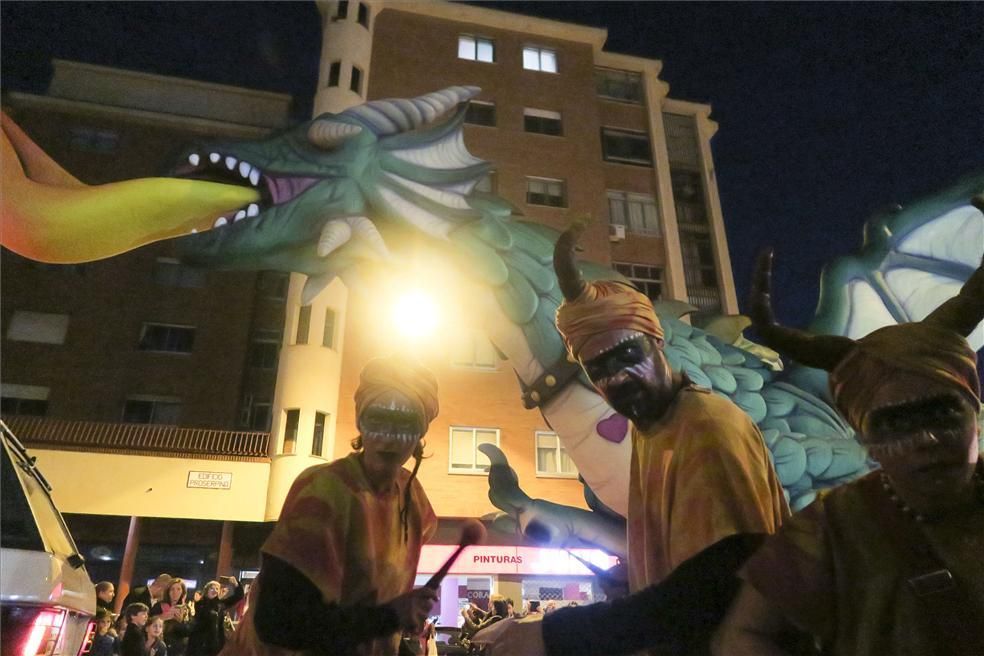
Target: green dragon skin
point(391, 182)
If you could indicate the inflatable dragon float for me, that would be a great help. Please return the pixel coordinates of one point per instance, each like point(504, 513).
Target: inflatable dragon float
point(370, 184)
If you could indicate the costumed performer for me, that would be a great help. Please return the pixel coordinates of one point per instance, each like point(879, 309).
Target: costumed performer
point(338, 569)
point(701, 475)
point(893, 563)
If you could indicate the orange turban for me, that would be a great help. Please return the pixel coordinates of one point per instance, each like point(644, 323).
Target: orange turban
point(402, 374)
point(604, 306)
point(930, 351)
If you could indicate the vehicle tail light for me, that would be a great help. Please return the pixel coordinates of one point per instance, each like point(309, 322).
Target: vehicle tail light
point(90, 632)
point(42, 638)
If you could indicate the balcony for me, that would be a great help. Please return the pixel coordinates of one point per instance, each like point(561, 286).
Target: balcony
point(140, 439)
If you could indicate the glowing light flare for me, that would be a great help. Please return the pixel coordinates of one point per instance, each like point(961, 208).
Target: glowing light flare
point(415, 314)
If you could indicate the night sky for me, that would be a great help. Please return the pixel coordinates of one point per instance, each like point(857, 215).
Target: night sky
point(828, 112)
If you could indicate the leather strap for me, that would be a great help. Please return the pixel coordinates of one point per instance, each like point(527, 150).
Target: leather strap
point(944, 599)
point(553, 379)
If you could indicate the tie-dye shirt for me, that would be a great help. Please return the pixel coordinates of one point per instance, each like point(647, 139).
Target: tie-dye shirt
point(700, 474)
point(348, 540)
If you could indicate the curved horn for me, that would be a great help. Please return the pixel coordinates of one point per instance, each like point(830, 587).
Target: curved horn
point(565, 264)
point(396, 115)
point(327, 133)
point(820, 351)
point(964, 311)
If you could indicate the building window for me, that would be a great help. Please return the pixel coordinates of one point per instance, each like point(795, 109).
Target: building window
point(637, 212)
point(94, 140)
point(23, 399)
point(272, 285)
point(539, 59)
point(258, 414)
point(476, 48)
point(303, 325)
point(328, 338)
point(341, 13)
point(465, 456)
point(318, 443)
point(363, 15)
point(472, 349)
point(542, 121)
point(552, 458)
point(264, 349)
point(480, 113)
point(696, 241)
point(293, 418)
point(334, 73)
point(172, 273)
point(648, 279)
point(618, 85)
point(39, 327)
point(487, 184)
point(356, 82)
point(626, 146)
point(688, 197)
point(682, 145)
point(167, 338)
point(141, 409)
point(546, 191)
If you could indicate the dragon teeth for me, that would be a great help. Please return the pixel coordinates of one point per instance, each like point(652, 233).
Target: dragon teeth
point(240, 215)
point(253, 208)
point(230, 162)
point(193, 159)
point(214, 158)
point(219, 222)
point(244, 169)
point(254, 177)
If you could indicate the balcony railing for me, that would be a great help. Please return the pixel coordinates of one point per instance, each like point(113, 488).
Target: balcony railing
point(139, 439)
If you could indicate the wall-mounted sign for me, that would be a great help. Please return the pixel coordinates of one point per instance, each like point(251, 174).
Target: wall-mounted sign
point(512, 560)
point(210, 480)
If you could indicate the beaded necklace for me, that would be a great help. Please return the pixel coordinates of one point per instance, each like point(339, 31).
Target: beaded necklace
point(886, 483)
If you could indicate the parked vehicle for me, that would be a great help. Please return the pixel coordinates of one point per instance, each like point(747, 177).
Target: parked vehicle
point(47, 601)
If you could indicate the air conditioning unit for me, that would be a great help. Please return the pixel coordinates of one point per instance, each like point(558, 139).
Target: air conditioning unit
point(616, 232)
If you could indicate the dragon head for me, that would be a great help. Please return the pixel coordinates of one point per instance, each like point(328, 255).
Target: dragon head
point(339, 189)
point(314, 199)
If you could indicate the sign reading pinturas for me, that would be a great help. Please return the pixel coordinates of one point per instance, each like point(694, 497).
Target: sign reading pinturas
point(210, 480)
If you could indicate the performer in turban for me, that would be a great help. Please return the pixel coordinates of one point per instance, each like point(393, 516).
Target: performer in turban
point(338, 569)
point(701, 476)
point(890, 564)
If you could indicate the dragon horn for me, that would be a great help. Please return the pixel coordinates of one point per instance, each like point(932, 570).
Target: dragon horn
point(964, 311)
point(819, 351)
point(565, 264)
point(327, 133)
point(396, 115)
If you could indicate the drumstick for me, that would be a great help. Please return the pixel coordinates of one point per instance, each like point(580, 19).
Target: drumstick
point(471, 533)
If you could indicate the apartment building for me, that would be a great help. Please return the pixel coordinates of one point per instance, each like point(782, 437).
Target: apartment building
point(172, 408)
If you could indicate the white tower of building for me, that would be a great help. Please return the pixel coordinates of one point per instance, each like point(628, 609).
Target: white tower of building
point(306, 398)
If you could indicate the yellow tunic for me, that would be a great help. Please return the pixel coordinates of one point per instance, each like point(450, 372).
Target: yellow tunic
point(348, 540)
point(834, 571)
point(701, 474)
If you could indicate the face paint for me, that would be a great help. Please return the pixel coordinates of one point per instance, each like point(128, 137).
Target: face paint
point(630, 371)
point(929, 444)
point(391, 427)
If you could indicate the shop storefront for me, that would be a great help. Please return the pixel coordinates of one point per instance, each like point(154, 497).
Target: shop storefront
point(551, 576)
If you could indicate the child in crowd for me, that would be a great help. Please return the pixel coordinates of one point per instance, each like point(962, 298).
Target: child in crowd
point(135, 639)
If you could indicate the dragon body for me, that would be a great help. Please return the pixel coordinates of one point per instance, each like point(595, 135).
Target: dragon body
point(380, 183)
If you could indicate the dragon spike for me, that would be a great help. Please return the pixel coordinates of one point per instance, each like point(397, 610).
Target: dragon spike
point(819, 351)
point(396, 115)
point(335, 234)
point(327, 133)
point(363, 227)
point(565, 264)
point(314, 286)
